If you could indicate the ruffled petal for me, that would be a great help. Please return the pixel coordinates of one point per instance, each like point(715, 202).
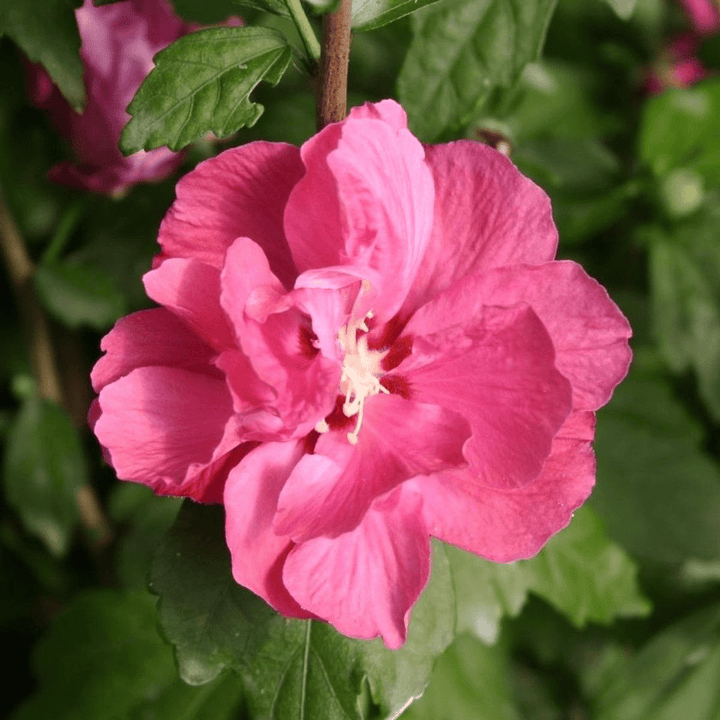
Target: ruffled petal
point(497, 370)
point(191, 289)
point(377, 194)
point(388, 111)
point(588, 330)
point(487, 214)
point(510, 524)
point(162, 426)
point(365, 582)
point(240, 193)
point(150, 337)
point(251, 494)
point(274, 336)
point(329, 491)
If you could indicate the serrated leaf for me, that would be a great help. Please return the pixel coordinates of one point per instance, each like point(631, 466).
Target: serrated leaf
point(80, 295)
point(470, 682)
point(102, 657)
point(674, 676)
point(623, 8)
point(372, 14)
point(461, 50)
point(657, 493)
point(679, 130)
point(580, 572)
point(289, 667)
point(47, 33)
point(44, 468)
point(201, 84)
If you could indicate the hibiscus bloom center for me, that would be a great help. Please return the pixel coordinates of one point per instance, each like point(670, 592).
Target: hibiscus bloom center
point(361, 372)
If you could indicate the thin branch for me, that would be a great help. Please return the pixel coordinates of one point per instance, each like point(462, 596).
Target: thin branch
point(332, 83)
point(42, 356)
point(304, 28)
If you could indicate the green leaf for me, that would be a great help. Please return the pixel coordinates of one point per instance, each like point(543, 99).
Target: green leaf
point(470, 682)
point(201, 84)
point(656, 492)
point(685, 285)
point(44, 469)
point(219, 700)
point(580, 572)
point(102, 658)
point(289, 666)
point(679, 130)
point(623, 8)
point(461, 50)
point(80, 295)
point(674, 676)
point(47, 33)
point(276, 7)
point(371, 14)
point(585, 576)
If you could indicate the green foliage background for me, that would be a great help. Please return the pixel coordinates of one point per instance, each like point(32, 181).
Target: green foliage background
point(618, 618)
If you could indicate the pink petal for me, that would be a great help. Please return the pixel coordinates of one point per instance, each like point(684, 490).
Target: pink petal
point(375, 193)
point(240, 193)
point(487, 214)
point(329, 492)
point(272, 334)
point(507, 524)
point(588, 330)
point(150, 337)
point(191, 290)
point(365, 582)
point(388, 111)
point(251, 494)
point(498, 371)
point(162, 426)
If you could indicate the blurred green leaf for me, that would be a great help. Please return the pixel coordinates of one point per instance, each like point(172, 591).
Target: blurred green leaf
point(656, 492)
point(276, 7)
point(680, 130)
point(219, 700)
point(144, 518)
point(674, 677)
point(80, 295)
point(289, 667)
point(44, 469)
point(470, 682)
point(47, 33)
point(201, 84)
point(102, 658)
point(216, 11)
point(623, 8)
point(685, 285)
point(461, 50)
point(372, 14)
point(585, 576)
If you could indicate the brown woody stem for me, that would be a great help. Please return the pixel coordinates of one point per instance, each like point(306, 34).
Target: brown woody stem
point(332, 83)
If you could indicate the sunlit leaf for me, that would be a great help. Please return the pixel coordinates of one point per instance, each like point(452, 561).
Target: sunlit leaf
point(623, 8)
point(201, 84)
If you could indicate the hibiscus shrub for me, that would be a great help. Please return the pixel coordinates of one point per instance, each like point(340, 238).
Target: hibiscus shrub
point(344, 422)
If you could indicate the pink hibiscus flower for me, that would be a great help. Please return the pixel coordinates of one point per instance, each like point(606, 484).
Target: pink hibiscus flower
point(362, 343)
point(118, 44)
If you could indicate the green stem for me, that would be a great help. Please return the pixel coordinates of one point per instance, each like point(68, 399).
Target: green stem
point(304, 28)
